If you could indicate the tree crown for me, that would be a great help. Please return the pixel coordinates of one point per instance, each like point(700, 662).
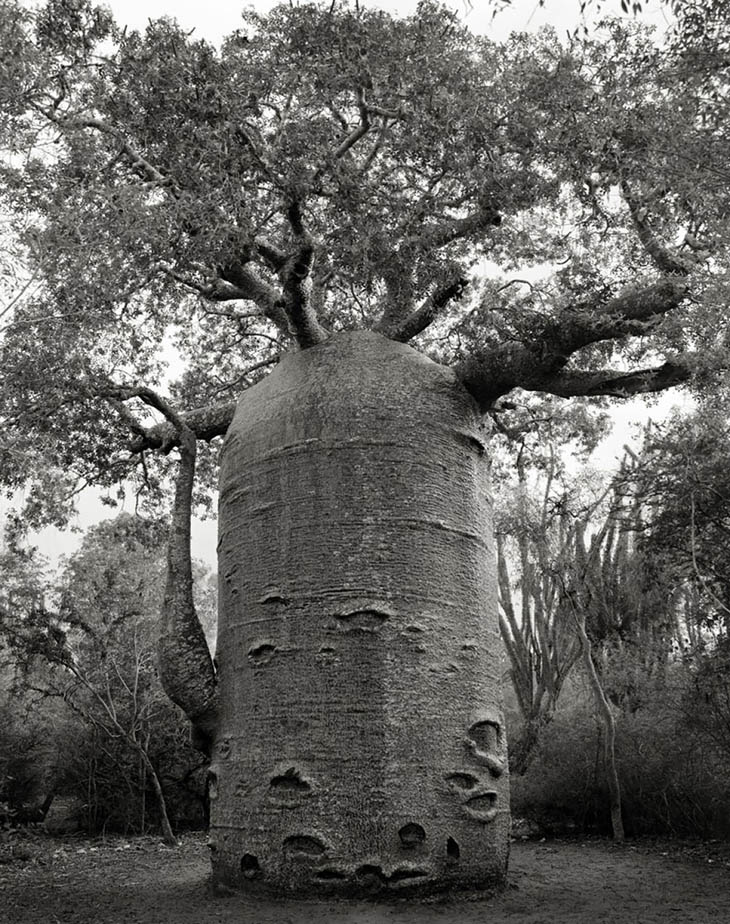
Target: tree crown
point(332, 167)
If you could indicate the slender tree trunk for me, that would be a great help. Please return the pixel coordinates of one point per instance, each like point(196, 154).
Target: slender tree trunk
point(168, 836)
point(143, 774)
point(361, 741)
point(608, 723)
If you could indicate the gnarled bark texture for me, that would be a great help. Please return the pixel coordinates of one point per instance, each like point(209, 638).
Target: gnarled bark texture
point(361, 743)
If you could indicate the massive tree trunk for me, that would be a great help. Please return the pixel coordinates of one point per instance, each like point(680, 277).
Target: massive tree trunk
point(360, 745)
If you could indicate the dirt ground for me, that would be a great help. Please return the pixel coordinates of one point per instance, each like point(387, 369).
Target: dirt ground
point(139, 881)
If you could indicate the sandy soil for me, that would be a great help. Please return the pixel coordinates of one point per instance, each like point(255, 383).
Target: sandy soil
point(138, 881)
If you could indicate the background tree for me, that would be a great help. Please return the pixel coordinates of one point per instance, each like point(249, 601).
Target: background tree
point(681, 481)
point(91, 646)
point(31, 745)
point(637, 582)
point(325, 186)
point(538, 635)
point(683, 484)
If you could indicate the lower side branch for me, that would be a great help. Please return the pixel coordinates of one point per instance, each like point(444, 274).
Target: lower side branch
point(186, 667)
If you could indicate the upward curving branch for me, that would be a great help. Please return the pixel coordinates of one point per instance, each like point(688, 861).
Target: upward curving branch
point(251, 287)
point(186, 667)
point(664, 260)
point(616, 384)
point(399, 321)
point(135, 158)
point(187, 672)
point(426, 313)
point(295, 277)
point(360, 130)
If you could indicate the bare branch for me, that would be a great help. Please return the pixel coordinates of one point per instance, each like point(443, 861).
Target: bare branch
point(436, 236)
point(263, 364)
point(536, 363)
point(272, 256)
point(375, 149)
point(338, 116)
point(237, 283)
point(428, 311)
point(295, 276)
point(254, 289)
point(18, 295)
point(398, 314)
point(259, 153)
point(616, 384)
point(217, 291)
point(186, 667)
point(633, 313)
point(150, 397)
point(127, 416)
point(360, 131)
point(137, 160)
point(205, 422)
point(234, 315)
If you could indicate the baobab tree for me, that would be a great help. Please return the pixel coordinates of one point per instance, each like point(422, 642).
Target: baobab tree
point(299, 217)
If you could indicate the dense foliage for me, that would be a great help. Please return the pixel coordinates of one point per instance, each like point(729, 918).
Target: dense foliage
point(86, 717)
point(648, 580)
point(187, 212)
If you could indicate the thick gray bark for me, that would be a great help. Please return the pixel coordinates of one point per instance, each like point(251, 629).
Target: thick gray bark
point(361, 742)
point(186, 667)
point(539, 362)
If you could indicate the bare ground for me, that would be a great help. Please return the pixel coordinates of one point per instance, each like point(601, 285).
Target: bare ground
point(121, 881)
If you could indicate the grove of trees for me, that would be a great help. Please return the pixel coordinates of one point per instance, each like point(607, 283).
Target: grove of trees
point(638, 561)
point(87, 723)
point(263, 267)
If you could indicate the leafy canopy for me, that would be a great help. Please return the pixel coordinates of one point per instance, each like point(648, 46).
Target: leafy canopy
point(187, 213)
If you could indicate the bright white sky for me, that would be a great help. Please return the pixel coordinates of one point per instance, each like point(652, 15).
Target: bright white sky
point(212, 19)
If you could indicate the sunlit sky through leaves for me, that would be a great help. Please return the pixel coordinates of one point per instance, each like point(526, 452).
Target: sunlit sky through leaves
point(213, 19)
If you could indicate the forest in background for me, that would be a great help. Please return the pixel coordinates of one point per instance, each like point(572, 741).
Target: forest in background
point(614, 614)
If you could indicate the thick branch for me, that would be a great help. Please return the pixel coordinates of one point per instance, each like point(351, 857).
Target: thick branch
point(295, 277)
point(273, 257)
point(400, 301)
point(536, 364)
point(484, 217)
point(205, 422)
point(250, 287)
point(398, 318)
point(617, 384)
point(237, 283)
point(186, 667)
point(427, 312)
point(663, 259)
point(149, 397)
